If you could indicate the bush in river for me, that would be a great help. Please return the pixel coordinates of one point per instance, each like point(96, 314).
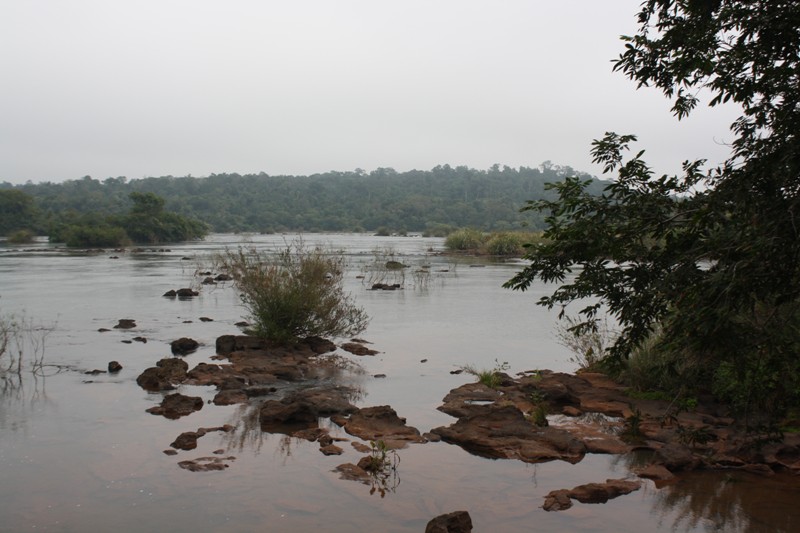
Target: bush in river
point(295, 293)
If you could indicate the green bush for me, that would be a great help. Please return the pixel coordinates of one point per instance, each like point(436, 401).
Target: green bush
point(506, 244)
point(23, 236)
point(95, 236)
point(464, 239)
point(295, 294)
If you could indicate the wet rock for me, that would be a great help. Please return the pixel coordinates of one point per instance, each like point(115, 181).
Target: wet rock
point(379, 423)
point(126, 341)
point(675, 457)
point(227, 344)
point(331, 449)
point(208, 281)
point(143, 340)
point(319, 345)
point(170, 294)
point(186, 293)
point(206, 464)
point(175, 406)
point(187, 440)
point(455, 522)
point(379, 376)
point(183, 346)
point(125, 323)
point(352, 472)
point(358, 349)
point(655, 472)
point(206, 319)
point(114, 367)
point(94, 372)
point(224, 277)
point(242, 324)
point(230, 397)
point(502, 431)
point(360, 447)
point(162, 376)
point(103, 330)
point(310, 434)
point(304, 408)
point(170, 452)
point(385, 286)
point(559, 500)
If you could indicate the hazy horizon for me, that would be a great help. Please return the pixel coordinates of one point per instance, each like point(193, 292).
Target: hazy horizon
point(147, 88)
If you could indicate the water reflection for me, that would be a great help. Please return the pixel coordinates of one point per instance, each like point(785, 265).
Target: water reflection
point(726, 501)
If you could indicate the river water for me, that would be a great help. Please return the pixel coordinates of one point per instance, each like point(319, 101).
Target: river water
point(79, 453)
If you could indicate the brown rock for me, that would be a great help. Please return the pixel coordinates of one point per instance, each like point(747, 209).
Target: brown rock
point(455, 522)
point(114, 367)
point(331, 449)
point(183, 346)
point(163, 376)
point(561, 499)
point(358, 349)
point(379, 423)
point(230, 397)
point(206, 464)
point(125, 323)
point(174, 406)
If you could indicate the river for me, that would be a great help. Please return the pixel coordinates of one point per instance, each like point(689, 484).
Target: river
point(78, 452)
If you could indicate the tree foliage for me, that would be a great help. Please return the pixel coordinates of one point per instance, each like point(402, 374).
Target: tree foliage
point(713, 256)
point(436, 200)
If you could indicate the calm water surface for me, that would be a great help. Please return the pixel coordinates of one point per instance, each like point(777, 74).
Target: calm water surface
point(79, 453)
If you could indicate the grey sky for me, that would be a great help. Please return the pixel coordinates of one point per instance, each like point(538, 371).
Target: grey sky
point(157, 87)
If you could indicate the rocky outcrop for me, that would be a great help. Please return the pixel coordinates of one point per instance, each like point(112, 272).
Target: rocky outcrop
point(559, 500)
point(304, 408)
point(379, 423)
point(163, 376)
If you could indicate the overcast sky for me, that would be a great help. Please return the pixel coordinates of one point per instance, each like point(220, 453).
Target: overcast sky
point(159, 87)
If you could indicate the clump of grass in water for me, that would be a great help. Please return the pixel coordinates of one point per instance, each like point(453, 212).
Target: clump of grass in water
point(491, 378)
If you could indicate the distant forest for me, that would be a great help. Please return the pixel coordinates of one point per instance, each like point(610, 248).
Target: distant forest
point(434, 201)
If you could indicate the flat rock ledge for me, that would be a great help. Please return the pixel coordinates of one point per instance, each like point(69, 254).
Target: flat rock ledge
point(590, 413)
point(559, 500)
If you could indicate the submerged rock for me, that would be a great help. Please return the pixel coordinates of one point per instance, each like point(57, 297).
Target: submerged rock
point(125, 323)
point(356, 348)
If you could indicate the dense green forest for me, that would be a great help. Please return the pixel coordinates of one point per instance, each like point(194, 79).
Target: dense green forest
point(436, 201)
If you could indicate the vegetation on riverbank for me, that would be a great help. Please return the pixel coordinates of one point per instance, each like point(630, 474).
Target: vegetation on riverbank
point(435, 201)
point(701, 271)
point(505, 243)
point(146, 222)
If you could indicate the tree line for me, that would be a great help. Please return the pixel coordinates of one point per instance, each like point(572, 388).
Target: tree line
point(434, 201)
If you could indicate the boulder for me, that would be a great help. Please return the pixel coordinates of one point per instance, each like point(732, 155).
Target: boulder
point(114, 367)
point(455, 522)
point(230, 397)
point(186, 293)
point(125, 323)
point(183, 346)
point(163, 375)
point(174, 406)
